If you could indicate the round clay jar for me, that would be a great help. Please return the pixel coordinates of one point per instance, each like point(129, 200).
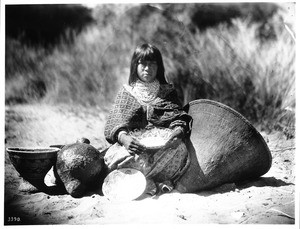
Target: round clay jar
point(78, 167)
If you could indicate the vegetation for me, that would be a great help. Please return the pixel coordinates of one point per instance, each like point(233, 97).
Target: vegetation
point(245, 62)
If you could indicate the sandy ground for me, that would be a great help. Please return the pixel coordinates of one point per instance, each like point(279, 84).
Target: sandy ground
point(268, 200)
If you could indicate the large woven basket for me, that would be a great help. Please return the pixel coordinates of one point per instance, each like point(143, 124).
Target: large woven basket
point(224, 147)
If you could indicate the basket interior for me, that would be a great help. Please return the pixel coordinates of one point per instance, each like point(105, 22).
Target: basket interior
point(152, 138)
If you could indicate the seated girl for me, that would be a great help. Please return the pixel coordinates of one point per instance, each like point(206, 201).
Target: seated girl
point(148, 101)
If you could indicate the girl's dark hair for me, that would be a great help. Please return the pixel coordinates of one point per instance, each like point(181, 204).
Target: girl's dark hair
point(147, 52)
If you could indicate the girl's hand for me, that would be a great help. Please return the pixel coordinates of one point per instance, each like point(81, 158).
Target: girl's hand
point(131, 144)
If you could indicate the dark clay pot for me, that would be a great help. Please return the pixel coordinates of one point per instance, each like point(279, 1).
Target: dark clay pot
point(78, 168)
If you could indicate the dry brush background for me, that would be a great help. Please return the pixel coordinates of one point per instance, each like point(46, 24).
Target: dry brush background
point(240, 54)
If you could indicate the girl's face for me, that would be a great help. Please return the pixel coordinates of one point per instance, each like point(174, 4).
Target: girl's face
point(147, 70)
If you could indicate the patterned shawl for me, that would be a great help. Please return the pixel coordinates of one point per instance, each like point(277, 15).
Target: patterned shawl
point(129, 113)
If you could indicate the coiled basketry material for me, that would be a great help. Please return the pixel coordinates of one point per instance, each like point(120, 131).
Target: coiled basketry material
point(224, 147)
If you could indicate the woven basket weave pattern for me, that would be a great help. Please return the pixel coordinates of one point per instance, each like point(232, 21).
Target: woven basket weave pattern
point(224, 147)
